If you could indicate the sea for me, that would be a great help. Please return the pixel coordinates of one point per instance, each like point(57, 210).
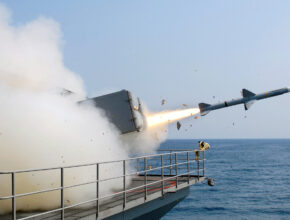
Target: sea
point(252, 180)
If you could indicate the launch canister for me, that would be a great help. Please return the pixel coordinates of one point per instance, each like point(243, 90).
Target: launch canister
point(248, 99)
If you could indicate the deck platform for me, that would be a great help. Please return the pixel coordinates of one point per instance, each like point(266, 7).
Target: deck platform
point(113, 208)
point(157, 183)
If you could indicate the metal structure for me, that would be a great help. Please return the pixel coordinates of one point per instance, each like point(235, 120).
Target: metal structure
point(144, 181)
point(248, 99)
point(122, 108)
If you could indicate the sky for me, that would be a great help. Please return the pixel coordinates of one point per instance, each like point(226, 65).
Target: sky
point(183, 51)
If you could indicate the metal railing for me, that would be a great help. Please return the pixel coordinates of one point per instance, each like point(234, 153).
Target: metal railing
point(171, 166)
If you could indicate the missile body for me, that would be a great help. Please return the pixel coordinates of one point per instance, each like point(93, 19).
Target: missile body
point(248, 99)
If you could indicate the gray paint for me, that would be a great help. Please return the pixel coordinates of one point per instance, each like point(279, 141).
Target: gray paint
point(118, 109)
point(248, 99)
point(154, 209)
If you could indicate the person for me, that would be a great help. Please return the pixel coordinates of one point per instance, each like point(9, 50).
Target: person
point(203, 145)
point(197, 154)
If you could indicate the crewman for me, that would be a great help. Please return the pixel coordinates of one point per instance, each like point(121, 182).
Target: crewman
point(203, 145)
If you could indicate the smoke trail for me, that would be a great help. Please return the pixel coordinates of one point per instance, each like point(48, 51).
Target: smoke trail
point(40, 128)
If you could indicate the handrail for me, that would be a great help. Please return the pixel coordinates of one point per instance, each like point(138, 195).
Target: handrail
point(95, 163)
point(159, 166)
point(90, 182)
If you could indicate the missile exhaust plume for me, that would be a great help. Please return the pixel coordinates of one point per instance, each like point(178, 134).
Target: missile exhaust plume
point(169, 116)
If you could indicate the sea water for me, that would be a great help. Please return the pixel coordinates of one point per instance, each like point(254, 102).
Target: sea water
point(252, 180)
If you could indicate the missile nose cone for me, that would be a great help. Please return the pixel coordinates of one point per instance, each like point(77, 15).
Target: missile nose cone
point(288, 89)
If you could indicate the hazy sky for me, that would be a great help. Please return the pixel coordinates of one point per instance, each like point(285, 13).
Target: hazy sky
point(183, 51)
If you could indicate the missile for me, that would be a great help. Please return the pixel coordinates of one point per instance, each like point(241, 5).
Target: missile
point(248, 99)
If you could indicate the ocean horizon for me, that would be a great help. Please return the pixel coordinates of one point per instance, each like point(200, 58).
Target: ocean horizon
point(251, 180)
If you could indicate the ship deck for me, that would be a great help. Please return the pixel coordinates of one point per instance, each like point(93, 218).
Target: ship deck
point(114, 205)
point(163, 182)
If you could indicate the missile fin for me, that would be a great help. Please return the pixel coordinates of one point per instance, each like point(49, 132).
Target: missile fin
point(247, 105)
point(204, 113)
point(247, 93)
point(202, 107)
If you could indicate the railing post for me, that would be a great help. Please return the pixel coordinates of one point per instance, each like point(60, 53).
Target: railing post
point(145, 178)
point(13, 196)
point(124, 184)
point(198, 168)
point(203, 163)
point(170, 168)
point(188, 171)
point(62, 192)
point(162, 174)
point(98, 189)
point(138, 165)
point(176, 169)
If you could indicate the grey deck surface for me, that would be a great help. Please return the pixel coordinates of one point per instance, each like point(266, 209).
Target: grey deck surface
point(114, 205)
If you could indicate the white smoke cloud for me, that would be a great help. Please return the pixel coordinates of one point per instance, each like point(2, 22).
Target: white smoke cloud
point(40, 128)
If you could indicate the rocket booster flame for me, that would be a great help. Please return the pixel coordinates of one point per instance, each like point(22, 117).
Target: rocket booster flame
point(170, 116)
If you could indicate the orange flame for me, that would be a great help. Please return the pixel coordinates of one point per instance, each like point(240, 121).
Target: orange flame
point(170, 116)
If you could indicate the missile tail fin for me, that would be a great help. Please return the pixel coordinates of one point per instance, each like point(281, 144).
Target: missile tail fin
point(204, 113)
point(203, 107)
point(247, 93)
point(247, 105)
